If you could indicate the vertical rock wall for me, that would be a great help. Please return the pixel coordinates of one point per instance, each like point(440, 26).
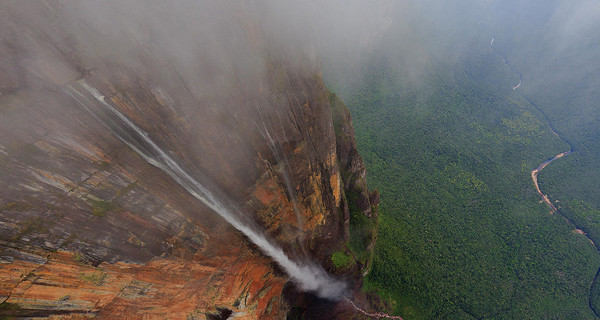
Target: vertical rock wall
point(88, 228)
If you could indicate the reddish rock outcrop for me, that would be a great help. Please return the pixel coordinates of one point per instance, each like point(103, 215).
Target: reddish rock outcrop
point(88, 228)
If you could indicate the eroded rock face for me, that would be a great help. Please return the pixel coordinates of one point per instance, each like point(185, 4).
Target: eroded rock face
point(89, 228)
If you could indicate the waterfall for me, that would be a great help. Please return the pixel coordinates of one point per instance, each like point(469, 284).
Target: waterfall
point(307, 276)
point(281, 158)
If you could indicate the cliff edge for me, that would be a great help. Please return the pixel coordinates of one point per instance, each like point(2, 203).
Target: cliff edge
point(89, 228)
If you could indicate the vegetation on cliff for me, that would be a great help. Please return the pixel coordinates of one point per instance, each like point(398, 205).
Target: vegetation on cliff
point(117, 152)
point(363, 206)
point(229, 96)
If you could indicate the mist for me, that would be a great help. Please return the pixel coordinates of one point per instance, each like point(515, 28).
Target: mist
point(212, 46)
point(200, 69)
point(207, 60)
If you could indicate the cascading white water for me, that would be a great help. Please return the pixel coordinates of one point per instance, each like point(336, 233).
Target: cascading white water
point(275, 150)
point(307, 276)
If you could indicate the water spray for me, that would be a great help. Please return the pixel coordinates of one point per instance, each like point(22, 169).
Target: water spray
point(308, 276)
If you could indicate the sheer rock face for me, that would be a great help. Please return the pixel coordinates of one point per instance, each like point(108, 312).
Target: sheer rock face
point(88, 228)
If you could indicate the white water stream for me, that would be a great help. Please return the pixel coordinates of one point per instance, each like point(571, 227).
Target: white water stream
point(307, 276)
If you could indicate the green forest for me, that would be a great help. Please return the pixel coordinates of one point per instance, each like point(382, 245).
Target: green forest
point(463, 232)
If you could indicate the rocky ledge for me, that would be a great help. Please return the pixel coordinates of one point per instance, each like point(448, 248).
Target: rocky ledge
point(88, 228)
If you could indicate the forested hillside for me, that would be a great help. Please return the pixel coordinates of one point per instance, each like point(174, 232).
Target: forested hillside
point(464, 234)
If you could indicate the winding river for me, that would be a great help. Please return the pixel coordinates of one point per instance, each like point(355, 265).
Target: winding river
point(534, 174)
point(534, 177)
point(536, 171)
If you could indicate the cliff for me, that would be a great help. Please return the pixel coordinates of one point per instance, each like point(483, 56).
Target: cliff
point(89, 228)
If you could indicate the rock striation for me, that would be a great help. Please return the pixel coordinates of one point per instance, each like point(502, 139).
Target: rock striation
point(88, 228)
